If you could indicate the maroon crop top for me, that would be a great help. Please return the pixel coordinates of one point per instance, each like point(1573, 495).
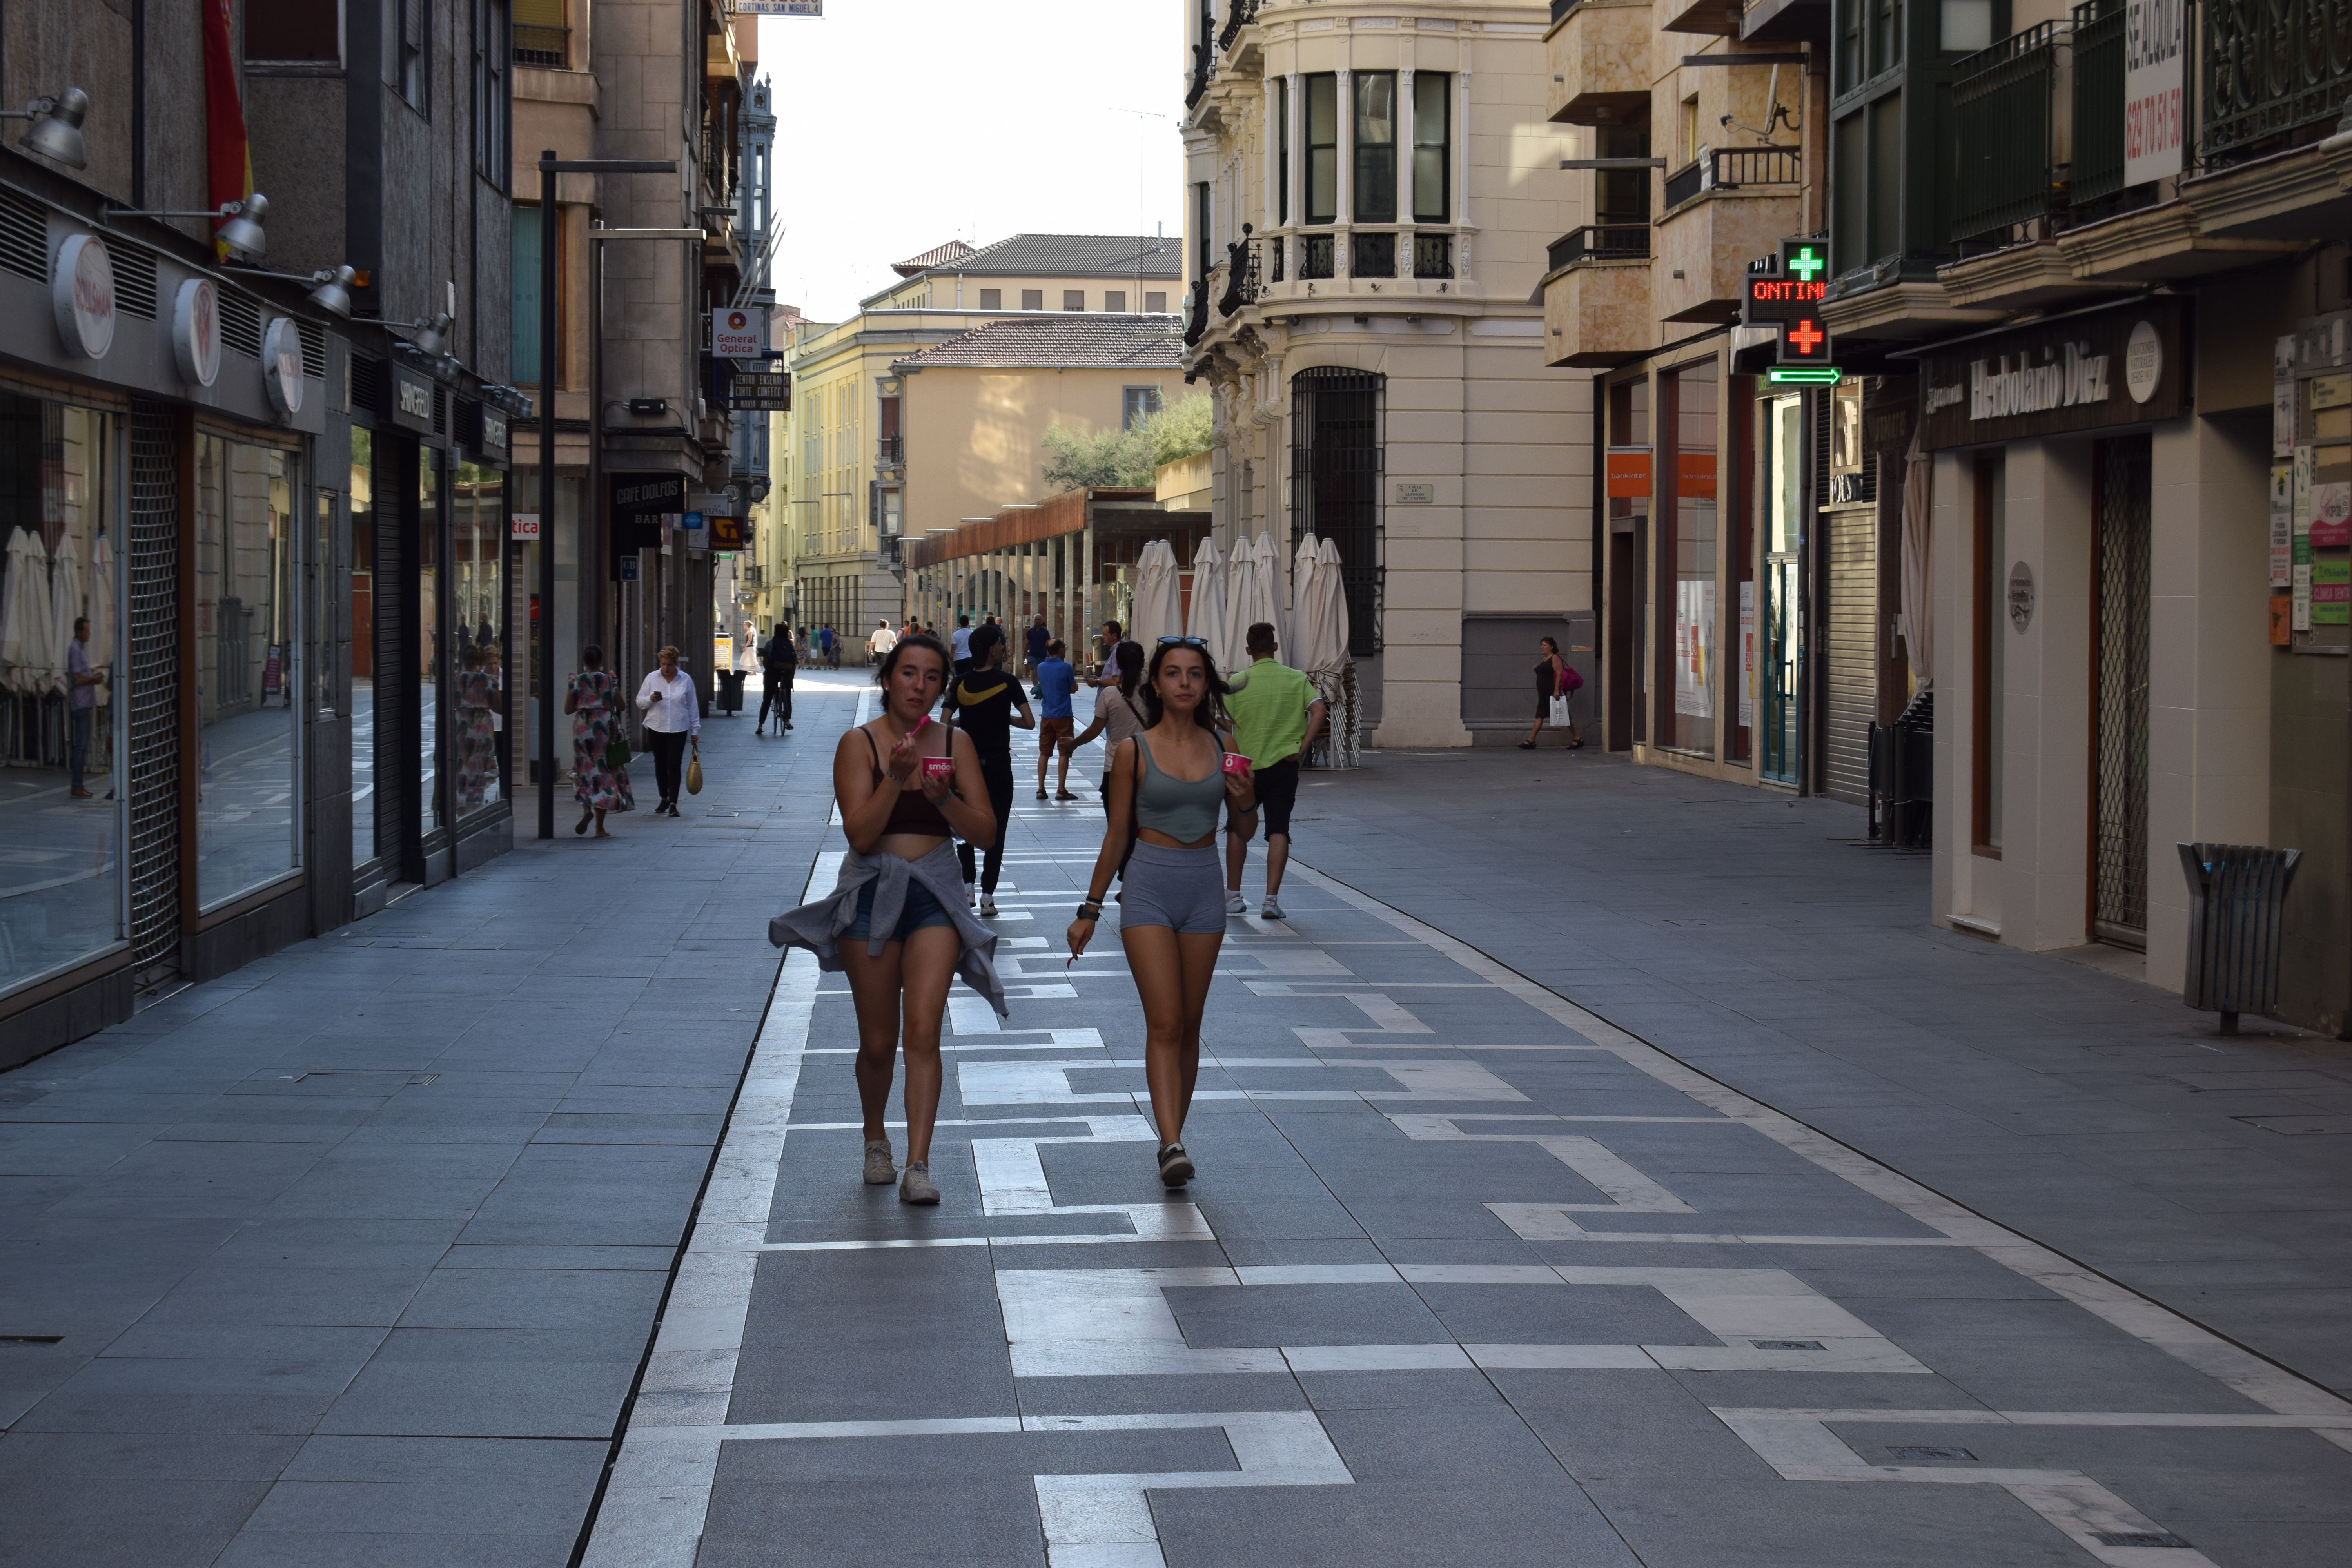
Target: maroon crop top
point(912, 812)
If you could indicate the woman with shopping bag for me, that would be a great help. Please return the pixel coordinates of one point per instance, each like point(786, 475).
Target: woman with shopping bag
point(673, 722)
point(1556, 683)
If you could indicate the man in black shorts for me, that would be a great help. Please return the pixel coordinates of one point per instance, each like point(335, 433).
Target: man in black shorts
point(1276, 715)
point(988, 704)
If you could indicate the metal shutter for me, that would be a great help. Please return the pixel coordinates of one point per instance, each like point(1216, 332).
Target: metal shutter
point(1849, 654)
point(2119, 895)
point(153, 628)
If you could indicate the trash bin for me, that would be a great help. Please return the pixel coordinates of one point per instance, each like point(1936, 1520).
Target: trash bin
point(2236, 892)
point(730, 691)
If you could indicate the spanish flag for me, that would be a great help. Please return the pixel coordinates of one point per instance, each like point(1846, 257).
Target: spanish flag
point(228, 160)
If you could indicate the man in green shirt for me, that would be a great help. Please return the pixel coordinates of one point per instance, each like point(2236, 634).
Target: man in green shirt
point(1276, 716)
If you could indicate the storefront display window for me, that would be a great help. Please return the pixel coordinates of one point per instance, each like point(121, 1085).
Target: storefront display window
point(430, 657)
point(362, 693)
point(1693, 575)
point(60, 890)
point(478, 701)
point(249, 776)
point(1784, 503)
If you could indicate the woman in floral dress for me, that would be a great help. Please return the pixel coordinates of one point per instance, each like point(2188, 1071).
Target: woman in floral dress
point(478, 737)
point(595, 703)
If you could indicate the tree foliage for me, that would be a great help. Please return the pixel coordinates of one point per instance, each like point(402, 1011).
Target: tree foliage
point(1128, 457)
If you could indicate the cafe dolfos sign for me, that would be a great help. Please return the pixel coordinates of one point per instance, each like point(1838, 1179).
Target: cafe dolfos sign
point(2125, 366)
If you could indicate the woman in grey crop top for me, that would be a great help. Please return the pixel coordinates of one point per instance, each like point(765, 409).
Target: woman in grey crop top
point(1166, 787)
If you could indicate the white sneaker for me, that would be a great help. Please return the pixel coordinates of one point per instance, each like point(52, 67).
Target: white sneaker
point(988, 906)
point(1273, 911)
point(970, 898)
point(1235, 904)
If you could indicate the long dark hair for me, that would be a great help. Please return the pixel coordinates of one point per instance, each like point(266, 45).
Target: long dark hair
point(1128, 656)
point(1211, 714)
point(907, 645)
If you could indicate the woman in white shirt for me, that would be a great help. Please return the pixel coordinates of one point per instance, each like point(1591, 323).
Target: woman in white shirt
point(673, 722)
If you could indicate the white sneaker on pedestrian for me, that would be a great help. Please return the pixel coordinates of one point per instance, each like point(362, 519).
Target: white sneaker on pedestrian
point(988, 906)
point(915, 1184)
point(970, 898)
point(1273, 911)
point(1235, 904)
point(880, 1170)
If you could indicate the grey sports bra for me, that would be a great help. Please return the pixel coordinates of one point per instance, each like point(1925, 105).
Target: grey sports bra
point(1184, 810)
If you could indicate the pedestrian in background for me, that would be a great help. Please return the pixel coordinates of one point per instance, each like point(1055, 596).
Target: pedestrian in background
point(894, 922)
point(1117, 714)
point(825, 646)
point(81, 706)
point(600, 774)
point(673, 721)
point(987, 704)
point(1168, 785)
point(1107, 674)
point(883, 640)
point(961, 642)
point(1037, 637)
point(1056, 682)
point(779, 664)
point(1276, 715)
point(1556, 682)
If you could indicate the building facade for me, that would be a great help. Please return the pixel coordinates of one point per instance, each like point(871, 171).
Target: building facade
point(260, 451)
point(1371, 191)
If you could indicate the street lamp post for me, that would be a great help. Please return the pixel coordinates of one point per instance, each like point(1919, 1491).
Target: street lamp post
point(550, 165)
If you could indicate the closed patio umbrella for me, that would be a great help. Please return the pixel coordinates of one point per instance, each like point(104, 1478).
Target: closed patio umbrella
point(25, 615)
point(1306, 611)
point(101, 610)
point(1331, 629)
point(1155, 613)
point(1241, 598)
point(65, 606)
point(1207, 619)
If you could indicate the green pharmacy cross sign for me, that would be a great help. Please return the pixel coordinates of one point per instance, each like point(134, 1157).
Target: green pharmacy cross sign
point(1786, 292)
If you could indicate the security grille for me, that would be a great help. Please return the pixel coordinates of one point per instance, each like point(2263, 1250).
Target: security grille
point(1335, 466)
point(2119, 893)
point(154, 627)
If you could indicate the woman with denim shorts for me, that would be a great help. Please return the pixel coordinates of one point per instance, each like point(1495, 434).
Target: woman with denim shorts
point(896, 921)
point(1169, 785)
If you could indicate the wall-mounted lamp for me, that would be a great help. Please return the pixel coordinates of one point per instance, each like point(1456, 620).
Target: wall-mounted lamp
point(242, 232)
point(56, 130)
point(432, 339)
point(332, 290)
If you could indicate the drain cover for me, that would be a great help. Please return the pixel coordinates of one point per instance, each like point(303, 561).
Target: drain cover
point(1915, 1452)
point(30, 1339)
point(1787, 1345)
point(2136, 1538)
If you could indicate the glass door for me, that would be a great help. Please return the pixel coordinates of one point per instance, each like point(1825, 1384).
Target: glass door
point(1782, 631)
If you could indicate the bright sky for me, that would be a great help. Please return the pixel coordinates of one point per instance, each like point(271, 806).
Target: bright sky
point(902, 124)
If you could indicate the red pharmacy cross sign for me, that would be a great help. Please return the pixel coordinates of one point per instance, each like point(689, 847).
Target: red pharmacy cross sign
point(1803, 342)
point(1786, 291)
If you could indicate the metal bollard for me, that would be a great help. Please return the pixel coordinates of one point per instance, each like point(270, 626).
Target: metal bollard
point(2236, 892)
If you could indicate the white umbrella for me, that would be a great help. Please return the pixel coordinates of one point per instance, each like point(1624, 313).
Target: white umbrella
point(65, 606)
point(1269, 591)
point(1241, 598)
point(1206, 619)
point(1306, 609)
point(101, 610)
point(1330, 650)
point(25, 615)
point(1155, 613)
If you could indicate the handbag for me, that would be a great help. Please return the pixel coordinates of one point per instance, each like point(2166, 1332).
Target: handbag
point(693, 773)
point(616, 753)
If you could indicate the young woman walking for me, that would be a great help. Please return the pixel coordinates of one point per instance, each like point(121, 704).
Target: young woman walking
point(596, 704)
point(1167, 787)
point(1553, 678)
point(895, 921)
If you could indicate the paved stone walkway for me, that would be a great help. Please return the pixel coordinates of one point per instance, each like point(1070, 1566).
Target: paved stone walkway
point(1469, 1275)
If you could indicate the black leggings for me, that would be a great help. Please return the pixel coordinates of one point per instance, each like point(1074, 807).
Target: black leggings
point(776, 697)
point(669, 753)
point(998, 772)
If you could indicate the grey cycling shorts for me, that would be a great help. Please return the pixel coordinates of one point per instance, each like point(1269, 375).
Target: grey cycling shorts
point(1184, 889)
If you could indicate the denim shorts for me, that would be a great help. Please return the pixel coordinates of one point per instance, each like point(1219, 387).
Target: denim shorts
point(920, 911)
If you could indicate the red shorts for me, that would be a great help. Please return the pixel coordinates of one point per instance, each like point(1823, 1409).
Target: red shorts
point(1053, 732)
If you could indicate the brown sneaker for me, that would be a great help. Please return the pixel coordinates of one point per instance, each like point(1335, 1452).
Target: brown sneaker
point(879, 1171)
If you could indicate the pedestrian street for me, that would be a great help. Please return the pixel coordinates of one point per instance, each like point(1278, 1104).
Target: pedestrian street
point(1467, 1276)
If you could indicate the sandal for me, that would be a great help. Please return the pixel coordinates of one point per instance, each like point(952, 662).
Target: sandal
point(581, 826)
point(1526, 746)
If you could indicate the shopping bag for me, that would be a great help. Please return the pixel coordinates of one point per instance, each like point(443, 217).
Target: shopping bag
point(616, 753)
point(1560, 711)
point(693, 773)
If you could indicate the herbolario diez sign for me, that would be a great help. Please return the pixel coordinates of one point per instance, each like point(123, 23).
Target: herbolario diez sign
point(2125, 366)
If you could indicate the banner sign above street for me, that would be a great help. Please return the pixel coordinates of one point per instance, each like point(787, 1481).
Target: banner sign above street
point(780, 7)
point(761, 391)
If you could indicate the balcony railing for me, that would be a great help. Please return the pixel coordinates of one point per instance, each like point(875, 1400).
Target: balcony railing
point(1273, 251)
point(1599, 242)
point(536, 45)
point(1241, 274)
point(1737, 166)
point(1685, 183)
point(1432, 256)
point(2003, 113)
point(1205, 72)
point(1196, 323)
point(1372, 256)
point(1239, 14)
point(2272, 68)
point(1317, 255)
point(890, 451)
point(1560, 8)
point(2098, 101)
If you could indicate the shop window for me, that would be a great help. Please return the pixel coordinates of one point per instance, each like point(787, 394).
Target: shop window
point(1433, 147)
point(249, 801)
point(59, 865)
point(431, 659)
point(1376, 129)
point(478, 695)
point(363, 697)
point(1694, 653)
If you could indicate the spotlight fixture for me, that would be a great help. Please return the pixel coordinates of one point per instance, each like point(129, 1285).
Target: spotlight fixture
point(432, 339)
point(56, 130)
point(332, 286)
point(242, 232)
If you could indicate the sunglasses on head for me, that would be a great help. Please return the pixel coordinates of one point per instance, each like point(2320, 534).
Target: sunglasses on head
point(1185, 642)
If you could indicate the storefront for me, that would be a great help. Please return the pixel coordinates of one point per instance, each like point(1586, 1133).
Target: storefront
point(160, 437)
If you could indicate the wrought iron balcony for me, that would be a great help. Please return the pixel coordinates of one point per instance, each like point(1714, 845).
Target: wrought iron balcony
point(1205, 72)
point(1196, 324)
point(1737, 166)
point(2003, 113)
point(1599, 242)
point(1432, 256)
point(1239, 14)
point(2272, 68)
point(1273, 251)
point(536, 45)
point(1317, 255)
point(1685, 183)
point(1372, 256)
point(1241, 274)
point(890, 451)
point(2098, 101)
